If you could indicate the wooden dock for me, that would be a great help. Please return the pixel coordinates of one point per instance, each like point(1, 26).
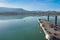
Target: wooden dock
point(51, 32)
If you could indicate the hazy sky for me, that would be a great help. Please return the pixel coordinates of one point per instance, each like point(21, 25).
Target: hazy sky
point(42, 5)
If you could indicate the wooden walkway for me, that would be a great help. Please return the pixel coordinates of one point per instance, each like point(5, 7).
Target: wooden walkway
point(50, 29)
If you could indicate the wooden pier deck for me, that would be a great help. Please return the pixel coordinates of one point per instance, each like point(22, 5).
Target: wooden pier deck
point(51, 32)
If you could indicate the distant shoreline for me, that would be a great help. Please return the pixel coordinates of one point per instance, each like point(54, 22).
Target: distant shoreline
point(51, 13)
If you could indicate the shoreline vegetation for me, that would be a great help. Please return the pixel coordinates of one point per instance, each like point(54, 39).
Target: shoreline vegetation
point(32, 13)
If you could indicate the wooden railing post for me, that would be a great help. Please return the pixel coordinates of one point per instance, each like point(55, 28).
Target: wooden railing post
point(55, 21)
point(48, 17)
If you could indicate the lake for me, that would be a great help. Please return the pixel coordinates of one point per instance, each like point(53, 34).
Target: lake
point(21, 27)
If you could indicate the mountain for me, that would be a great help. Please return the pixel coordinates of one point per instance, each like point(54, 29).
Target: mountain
point(4, 9)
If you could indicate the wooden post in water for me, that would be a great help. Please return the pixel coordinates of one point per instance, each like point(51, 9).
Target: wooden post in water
point(55, 21)
point(48, 17)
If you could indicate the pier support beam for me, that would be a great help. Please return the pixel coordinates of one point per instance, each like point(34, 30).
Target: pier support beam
point(48, 17)
point(55, 21)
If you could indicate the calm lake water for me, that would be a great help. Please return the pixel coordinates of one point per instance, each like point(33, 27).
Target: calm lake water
point(22, 27)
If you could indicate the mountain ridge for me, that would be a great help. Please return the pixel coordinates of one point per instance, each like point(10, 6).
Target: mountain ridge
point(4, 9)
